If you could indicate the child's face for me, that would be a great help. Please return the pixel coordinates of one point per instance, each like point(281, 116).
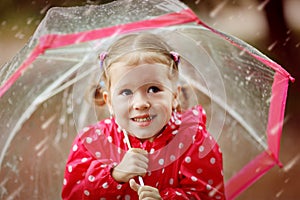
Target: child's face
point(141, 98)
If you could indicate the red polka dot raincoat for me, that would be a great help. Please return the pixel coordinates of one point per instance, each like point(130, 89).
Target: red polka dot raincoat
point(185, 162)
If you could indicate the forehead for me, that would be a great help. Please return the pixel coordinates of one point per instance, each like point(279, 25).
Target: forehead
point(122, 74)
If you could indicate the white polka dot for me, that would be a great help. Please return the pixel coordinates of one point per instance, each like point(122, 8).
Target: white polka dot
point(89, 140)
point(171, 181)
point(98, 131)
point(105, 185)
point(175, 132)
point(210, 137)
point(172, 157)
point(78, 182)
point(208, 187)
point(157, 183)
point(163, 170)
point(194, 178)
point(86, 193)
point(65, 181)
point(199, 170)
point(212, 160)
point(119, 197)
point(107, 121)
point(180, 146)
point(173, 127)
point(177, 122)
point(119, 150)
point(201, 148)
point(85, 129)
point(152, 151)
point(103, 165)
point(98, 154)
point(200, 127)
point(196, 112)
point(109, 138)
point(83, 160)
point(161, 161)
point(91, 178)
point(70, 168)
point(119, 186)
point(178, 193)
point(210, 181)
point(203, 112)
point(75, 147)
point(187, 159)
point(127, 197)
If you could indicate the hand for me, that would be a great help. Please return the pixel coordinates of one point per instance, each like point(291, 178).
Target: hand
point(134, 163)
point(145, 192)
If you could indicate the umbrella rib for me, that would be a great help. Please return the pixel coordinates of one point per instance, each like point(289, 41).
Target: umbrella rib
point(60, 58)
point(69, 83)
point(34, 104)
point(234, 114)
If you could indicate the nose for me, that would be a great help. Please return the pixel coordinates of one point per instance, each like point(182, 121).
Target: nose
point(140, 102)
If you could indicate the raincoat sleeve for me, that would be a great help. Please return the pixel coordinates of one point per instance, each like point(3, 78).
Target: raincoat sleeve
point(87, 177)
point(201, 170)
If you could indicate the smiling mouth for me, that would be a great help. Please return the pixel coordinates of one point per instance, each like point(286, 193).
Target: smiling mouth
point(142, 119)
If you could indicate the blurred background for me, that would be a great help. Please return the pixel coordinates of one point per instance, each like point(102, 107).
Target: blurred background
point(272, 26)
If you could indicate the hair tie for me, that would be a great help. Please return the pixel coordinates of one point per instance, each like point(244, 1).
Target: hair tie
point(175, 56)
point(102, 56)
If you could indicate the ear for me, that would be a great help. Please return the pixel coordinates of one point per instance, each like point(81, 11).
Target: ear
point(106, 98)
point(175, 102)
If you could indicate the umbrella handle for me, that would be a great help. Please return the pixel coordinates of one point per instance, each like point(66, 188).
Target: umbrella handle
point(129, 146)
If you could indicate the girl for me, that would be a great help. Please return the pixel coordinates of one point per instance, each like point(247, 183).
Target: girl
point(148, 148)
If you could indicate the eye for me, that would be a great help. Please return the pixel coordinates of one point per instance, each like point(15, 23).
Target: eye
point(126, 92)
point(154, 89)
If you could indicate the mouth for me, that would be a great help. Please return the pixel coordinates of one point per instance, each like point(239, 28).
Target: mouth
point(143, 118)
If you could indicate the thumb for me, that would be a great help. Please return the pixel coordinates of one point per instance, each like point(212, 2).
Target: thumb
point(134, 185)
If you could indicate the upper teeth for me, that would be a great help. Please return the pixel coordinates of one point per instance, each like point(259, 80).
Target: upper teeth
point(142, 119)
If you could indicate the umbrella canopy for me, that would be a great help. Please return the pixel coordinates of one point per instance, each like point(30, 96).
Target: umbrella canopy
point(44, 90)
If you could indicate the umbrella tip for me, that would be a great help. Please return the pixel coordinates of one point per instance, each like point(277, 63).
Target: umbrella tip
point(292, 79)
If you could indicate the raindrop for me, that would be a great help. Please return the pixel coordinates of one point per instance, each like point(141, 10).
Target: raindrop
point(44, 10)
point(278, 194)
point(29, 20)
point(262, 5)
point(270, 48)
point(218, 9)
point(291, 163)
point(14, 28)
point(10, 101)
point(197, 2)
point(3, 23)
point(242, 52)
point(62, 120)
point(46, 124)
point(20, 35)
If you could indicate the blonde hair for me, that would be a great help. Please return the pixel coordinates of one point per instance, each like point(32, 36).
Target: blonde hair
point(135, 49)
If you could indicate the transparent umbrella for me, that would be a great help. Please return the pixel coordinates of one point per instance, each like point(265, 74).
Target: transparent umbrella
point(44, 92)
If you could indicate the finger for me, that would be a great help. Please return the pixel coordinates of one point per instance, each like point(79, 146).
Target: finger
point(134, 185)
point(148, 192)
point(138, 150)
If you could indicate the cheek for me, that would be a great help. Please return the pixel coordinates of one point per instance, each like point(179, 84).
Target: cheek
point(119, 105)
